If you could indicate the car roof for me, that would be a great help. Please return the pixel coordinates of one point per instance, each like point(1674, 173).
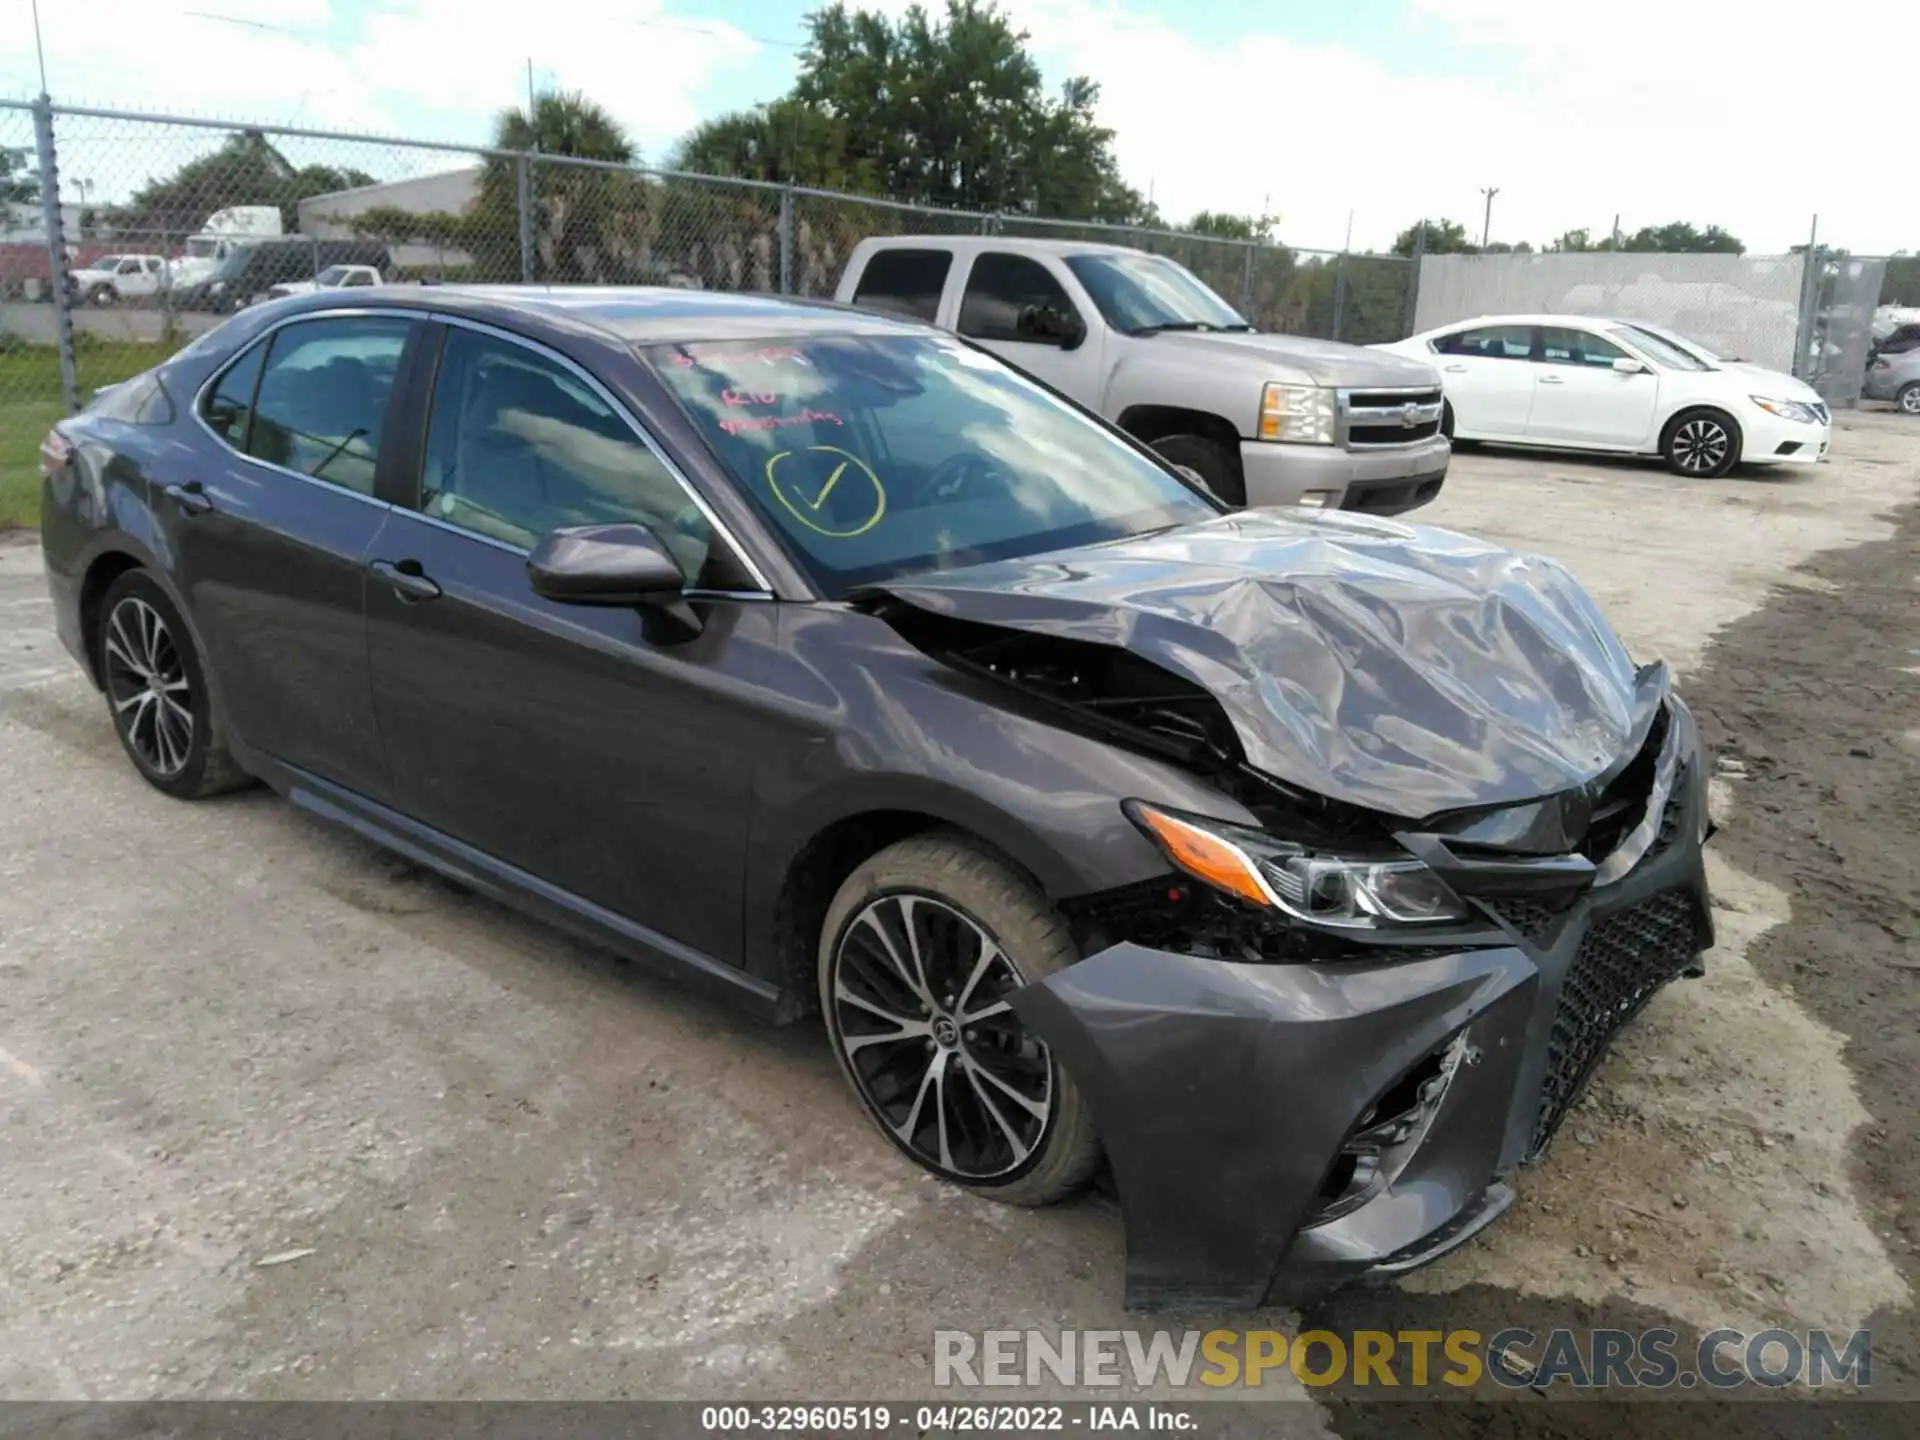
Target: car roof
point(1017, 244)
point(1543, 318)
point(633, 314)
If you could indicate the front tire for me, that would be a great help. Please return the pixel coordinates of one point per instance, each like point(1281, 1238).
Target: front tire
point(921, 947)
point(1208, 459)
point(1701, 444)
point(1909, 399)
point(157, 695)
point(103, 296)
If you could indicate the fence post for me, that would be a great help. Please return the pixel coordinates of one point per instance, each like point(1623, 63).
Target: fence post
point(1807, 324)
point(1246, 279)
point(786, 240)
point(56, 246)
point(1411, 312)
point(523, 205)
point(1339, 292)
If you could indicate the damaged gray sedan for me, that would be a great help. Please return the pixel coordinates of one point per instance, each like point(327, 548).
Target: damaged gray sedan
point(1298, 868)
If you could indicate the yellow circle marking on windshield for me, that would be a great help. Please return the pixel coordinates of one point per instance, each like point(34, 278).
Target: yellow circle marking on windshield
point(806, 495)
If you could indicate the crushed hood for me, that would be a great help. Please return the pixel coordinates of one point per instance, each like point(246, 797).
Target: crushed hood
point(1397, 667)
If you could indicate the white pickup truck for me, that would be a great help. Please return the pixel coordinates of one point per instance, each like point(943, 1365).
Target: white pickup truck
point(1262, 419)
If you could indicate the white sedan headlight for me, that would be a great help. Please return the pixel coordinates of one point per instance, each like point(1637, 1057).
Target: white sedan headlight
point(1787, 409)
point(1297, 414)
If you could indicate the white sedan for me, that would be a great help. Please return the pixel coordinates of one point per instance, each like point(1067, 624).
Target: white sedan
point(1581, 383)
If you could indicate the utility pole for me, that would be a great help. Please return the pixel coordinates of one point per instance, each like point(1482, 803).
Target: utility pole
point(1486, 224)
point(1616, 231)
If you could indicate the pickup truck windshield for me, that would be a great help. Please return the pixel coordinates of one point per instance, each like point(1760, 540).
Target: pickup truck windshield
point(876, 457)
point(1143, 293)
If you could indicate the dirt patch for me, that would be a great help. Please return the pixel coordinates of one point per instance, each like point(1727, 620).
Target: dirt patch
point(1808, 710)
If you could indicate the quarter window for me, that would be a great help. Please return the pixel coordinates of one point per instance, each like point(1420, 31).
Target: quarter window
point(229, 404)
point(905, 282)
point(1000, 288)
point(323, 396)
point(1577, 347)
point(519, 446)
point(1489, 342)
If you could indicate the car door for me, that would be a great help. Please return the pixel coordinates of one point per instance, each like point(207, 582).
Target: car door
point(1487, 373)
point(132, 280)
point(1581, 399)
point(270, 524)
point(1015, 306)
point(606, 751)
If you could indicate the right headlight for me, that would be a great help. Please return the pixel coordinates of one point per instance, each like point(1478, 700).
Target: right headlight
point(1297, 414)
point(1269, 873)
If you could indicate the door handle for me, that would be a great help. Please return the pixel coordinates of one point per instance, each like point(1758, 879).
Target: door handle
point(190, 497)
point(406, 577)
point(1454, 369)
point(1551, 380)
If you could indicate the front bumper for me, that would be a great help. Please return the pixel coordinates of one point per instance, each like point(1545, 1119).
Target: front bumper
point(1382, 481)
point(1225, 1092)
point(1766, 439)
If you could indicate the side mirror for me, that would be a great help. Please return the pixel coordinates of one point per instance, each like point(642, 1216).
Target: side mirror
point(1049, 325)
point(605, 565)
point(1627, 365)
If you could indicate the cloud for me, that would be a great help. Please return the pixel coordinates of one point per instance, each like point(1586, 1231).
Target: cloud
point(429, 69)
point(1655, 110)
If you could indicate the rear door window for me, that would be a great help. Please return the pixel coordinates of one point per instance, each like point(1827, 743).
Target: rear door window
point(323, 397)
point(905, 282)
point(1489, 342)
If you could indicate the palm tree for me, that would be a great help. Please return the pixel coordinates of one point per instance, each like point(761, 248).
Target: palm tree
point(589, 223)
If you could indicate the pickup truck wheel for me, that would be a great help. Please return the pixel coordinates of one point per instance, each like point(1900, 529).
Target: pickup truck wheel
point(1208, 459)
point(102, 295)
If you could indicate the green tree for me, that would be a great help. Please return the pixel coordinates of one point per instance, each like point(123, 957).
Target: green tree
point(1443, 237)
point(19, 185)
point(945, 111)
point(1680, 237)
point(1902, 285)
point(246, 169)
point(589, 222)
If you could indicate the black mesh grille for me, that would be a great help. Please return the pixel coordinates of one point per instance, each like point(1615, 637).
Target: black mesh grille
point(1623, 960)
point(1531, 916)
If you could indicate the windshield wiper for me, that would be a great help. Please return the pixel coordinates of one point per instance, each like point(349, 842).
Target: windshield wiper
point(1187, 325)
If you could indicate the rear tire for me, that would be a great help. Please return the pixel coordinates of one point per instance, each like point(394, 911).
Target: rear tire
point(1909, 399)
point(1208, 459)
point(157, 693)
point(1701, 444)
point(919, 950)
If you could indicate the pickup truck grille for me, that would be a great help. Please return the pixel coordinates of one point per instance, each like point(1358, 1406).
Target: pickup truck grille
point(1381, 419)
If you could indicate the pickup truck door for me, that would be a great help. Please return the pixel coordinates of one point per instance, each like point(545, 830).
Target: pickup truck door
point(1023, 311)
point(1488, 374)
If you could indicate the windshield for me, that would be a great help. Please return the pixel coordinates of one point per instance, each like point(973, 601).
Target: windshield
point(1660, 342)
point(105, 262)
point(201, 248)
point(333, 275)
point(881, 457)
point(1142, 293)
point(1663, 351)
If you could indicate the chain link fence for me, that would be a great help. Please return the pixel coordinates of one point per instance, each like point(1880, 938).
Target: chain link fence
point(128, 234)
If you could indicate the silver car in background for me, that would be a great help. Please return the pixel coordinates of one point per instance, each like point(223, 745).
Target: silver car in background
point(1895, 378)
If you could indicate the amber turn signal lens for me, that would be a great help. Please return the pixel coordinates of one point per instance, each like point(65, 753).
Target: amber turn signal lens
point(1205, 857)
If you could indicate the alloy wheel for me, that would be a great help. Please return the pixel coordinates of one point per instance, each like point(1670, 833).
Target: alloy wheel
point(148, 687)
point(1701, 445)
point(919, 992)
point(1910, 399)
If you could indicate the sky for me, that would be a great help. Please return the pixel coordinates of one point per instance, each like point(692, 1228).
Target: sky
point(1338, 116)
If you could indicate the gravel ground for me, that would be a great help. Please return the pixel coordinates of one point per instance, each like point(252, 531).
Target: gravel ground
point(507, 1165)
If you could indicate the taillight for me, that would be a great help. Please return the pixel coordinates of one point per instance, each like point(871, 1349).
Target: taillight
point(55, 451)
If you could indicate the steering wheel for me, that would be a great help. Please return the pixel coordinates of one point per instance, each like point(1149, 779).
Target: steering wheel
point(959, 472)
